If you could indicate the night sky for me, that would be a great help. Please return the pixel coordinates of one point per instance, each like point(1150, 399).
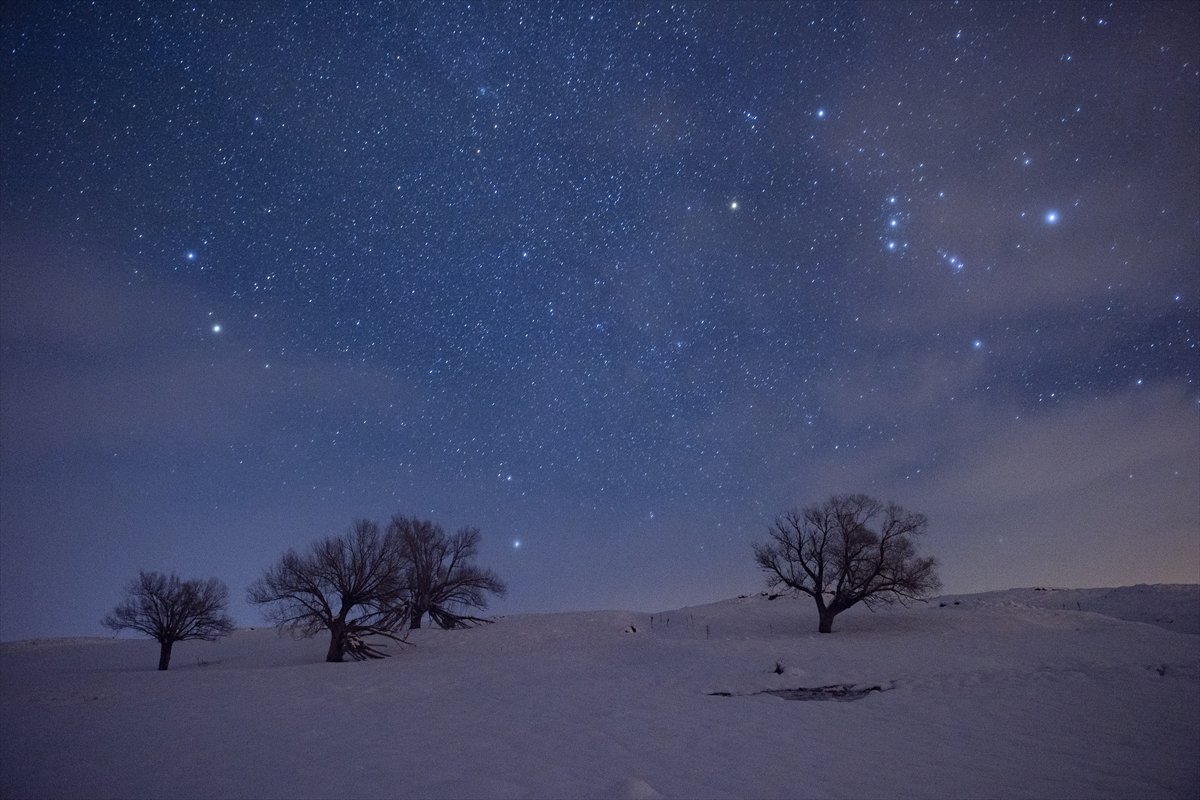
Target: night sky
point(617, 283)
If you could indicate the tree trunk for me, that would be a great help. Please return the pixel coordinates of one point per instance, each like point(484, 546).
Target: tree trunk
point(164, 655)
point(826, 620)
point(337, 642)
point(415, 619)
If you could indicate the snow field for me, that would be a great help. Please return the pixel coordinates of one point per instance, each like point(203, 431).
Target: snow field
point(992, 697)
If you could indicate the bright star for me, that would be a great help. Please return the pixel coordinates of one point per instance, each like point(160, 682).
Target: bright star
point(216, 328)
point(190, 255)
point(1051, 217)
point(733, 206)
point(516, 544)
point(977, 344)
point(820, 113)
point(954, 261)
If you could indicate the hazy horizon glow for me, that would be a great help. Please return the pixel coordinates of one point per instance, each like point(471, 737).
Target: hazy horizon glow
point(616, 284)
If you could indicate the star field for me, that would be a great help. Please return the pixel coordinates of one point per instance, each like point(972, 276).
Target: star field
point(615, 283)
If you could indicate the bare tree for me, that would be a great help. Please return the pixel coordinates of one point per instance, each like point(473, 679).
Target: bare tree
point(849, 549)
point(169, 610)
point(350, 585)
point(441, 577)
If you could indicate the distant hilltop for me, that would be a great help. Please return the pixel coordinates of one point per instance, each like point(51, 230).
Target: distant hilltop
point(1174, 606)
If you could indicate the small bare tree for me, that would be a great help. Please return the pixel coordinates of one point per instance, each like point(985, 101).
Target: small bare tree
point(849, 549)
point(441, 577)
point(169, 610)
point(350, 585)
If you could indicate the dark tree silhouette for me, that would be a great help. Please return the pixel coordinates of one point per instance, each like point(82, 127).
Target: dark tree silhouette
point(350, 585)
point(441, 578)
point(849, 549)
point(169, 610)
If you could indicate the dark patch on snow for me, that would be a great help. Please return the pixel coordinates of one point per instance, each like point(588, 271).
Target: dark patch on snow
point(838, 691)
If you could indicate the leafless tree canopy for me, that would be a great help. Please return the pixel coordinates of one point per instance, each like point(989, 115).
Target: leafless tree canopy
point(849, 549)
point(441, 576)
point(169, 610)
point(351, 585)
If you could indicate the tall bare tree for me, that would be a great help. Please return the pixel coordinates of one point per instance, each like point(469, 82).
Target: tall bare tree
point(351, 585)
point(441, 576)
point(169, 610)
point(850, 549)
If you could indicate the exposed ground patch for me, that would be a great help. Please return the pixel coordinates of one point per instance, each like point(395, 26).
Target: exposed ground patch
point(836, 691)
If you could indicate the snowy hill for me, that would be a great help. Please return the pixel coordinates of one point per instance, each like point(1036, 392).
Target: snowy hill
point(1023, 693)
point(1175, 607)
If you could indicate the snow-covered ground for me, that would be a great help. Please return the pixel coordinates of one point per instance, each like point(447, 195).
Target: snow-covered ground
point(1025, 693)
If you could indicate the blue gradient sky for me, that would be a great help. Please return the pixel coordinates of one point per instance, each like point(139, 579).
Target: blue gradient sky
point(618, 282)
